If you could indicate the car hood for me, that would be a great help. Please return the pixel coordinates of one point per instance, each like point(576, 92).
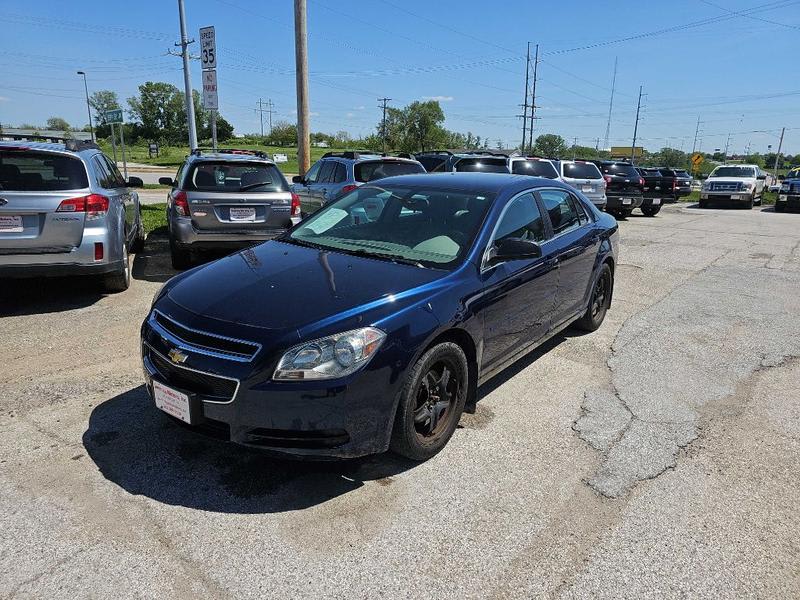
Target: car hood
point(281, 286)
point(731, 179)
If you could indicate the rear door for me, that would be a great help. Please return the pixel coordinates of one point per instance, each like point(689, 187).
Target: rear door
point(33, 184)
point(319, 189)
point(574, 244)
point(120, 201)
point(237, 196)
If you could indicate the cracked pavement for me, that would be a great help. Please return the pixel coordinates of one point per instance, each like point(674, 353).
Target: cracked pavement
point(656, 457)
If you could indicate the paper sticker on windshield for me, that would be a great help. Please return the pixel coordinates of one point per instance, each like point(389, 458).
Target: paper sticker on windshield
point(327, 220)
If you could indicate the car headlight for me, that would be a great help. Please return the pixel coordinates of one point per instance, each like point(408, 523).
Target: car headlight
point(785, 187)
point(706, 186)
point(330, 357)
point(746, 187)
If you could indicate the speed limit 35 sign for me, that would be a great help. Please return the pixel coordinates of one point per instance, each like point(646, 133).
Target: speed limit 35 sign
point(208, 48)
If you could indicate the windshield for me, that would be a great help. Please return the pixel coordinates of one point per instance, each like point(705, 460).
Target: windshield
point(482, 165)
point(581, 171)
point(536, 168)
point(426, 227)
point(27, 171)
point(378, 169)
point(733, 172)
point(793, 174)
point(224, 176)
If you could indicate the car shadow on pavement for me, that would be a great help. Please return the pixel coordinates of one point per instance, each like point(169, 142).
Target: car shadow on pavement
point(153, 262)
point(47, 294)
point(140, 449)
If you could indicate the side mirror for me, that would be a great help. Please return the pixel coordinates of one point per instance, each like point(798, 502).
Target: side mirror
point(781, 177)
point(166, 181)
point(298, 179)
point(135, 182)
point(513, 249)
point(762, 177)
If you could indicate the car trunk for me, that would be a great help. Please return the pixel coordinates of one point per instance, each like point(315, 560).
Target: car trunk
point(33, 185)
point(240, 211)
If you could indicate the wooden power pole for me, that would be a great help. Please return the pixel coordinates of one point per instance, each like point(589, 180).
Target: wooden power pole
point(301, 68)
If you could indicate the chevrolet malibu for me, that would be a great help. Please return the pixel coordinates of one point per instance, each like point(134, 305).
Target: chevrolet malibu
point(370, 325)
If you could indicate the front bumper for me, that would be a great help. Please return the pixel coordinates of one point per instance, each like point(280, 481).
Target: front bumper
point(65, 261)
point(740, 197)
point(240, 403)
point(184, 233)
point(790, 201)
point(624, 203)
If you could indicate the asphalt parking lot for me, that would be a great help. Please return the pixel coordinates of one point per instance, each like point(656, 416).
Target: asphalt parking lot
point(656, 457)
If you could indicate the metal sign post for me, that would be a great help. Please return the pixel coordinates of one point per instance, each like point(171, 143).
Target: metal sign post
point(113, 117)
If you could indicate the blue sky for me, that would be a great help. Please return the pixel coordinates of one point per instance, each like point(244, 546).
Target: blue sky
point(731, 62)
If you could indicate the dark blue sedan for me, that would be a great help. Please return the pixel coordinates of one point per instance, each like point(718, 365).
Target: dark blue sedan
point(370, 325)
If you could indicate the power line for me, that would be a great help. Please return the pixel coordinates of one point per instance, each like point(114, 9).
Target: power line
point(261, 110)
point(611, 104)
point(383, 102)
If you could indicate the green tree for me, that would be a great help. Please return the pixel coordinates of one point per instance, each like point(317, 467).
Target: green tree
point(101, 102)
point(159, 109)
point(282, 134)
point(58, 124)
point(550, 145)
point(416, 127)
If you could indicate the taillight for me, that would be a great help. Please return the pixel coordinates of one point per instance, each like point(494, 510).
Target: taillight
point(348, 188)
point(94, 205)
point(295, 205)
point(674, 184)
point(181, 203)
point(641, 181)
point(98, 250)
point(607, 179)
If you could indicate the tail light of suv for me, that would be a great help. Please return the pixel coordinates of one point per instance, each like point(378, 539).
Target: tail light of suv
point(181, 203)
point(641, 181)
point(295, 205)
point(607, 179)
point(94, 205)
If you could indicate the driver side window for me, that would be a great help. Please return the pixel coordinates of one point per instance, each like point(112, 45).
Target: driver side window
point(522, 220)
point(312, 174)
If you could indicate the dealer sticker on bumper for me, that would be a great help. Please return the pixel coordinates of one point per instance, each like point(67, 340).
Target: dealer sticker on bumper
point(627, 200)
point(656, 200)
point(11, 224)
point(172, 402)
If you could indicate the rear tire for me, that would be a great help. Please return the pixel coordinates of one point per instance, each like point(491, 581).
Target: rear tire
point(137, 245)
point(431, 402)
point(650, 211)
point(703, 203)
point(599, 301)
point(120, 280)
point(181, 257)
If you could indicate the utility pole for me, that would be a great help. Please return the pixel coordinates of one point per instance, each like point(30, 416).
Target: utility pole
point(778, 155)
point(574, 147)
point(88, 108)
point(383, 102)
point(187, 83)
point(533, 97)
point(301, 77)
point(269, 113)
point(727, 143)
point(696, 132)
point(525, 101)
point(611, 105)
point(636, 126)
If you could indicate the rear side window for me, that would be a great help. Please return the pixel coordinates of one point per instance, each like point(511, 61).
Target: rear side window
point(561, 209)
point(681, 173)
point(223, 176)
point(40, 171)
point(372, 170)
point(522, 220)
point(482, 165)
point(581, 171)
point(535, 168)
point(432, 163)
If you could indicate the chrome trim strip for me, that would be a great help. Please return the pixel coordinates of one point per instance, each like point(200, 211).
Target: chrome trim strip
point(238, 382)
point(183, 344)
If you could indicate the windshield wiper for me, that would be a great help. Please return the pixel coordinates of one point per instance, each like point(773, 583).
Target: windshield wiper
point(400, 260)
point(298, 242)
point(250, 186)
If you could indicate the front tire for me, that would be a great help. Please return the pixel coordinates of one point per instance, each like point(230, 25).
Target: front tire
point(703, 203)
point(431, 402)
point(599, 301)
point(780, 207)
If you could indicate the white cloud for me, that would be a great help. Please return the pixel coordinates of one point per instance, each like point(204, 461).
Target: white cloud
point(439, 98)
point(4, 99)
point(360, 108)
point(350, 115)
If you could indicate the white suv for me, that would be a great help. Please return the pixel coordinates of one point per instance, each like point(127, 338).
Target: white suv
point(740, 184)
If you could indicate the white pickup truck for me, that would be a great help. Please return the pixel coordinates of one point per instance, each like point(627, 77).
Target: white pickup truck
point(737, 184)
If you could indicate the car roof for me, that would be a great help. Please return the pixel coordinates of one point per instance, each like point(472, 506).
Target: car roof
point(59, 147)
point(471, 182)
point(229, 157)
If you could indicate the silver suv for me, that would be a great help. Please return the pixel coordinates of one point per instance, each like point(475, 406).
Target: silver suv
point(585, 177)
point(337, 173)
point(65, 209)
point(226, 199)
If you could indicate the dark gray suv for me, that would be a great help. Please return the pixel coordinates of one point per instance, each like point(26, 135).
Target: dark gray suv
point(226, 199)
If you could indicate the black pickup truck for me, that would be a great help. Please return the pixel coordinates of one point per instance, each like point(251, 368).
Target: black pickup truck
point(683, 183)
point(624, 187)
point(657, 188)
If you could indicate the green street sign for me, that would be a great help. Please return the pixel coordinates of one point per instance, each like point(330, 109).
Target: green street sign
point(113, 116)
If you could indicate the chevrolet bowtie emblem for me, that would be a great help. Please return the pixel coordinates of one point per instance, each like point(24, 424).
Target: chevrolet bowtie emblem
point(177, 356)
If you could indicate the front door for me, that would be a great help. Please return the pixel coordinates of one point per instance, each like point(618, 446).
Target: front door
point(305, 189)
point(519, 295)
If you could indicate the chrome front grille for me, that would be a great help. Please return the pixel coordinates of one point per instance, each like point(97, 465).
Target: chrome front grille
point(202, 341)
point(212, 388)
point(732, 186)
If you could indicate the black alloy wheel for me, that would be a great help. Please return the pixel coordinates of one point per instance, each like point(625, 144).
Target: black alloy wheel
point(599, 301)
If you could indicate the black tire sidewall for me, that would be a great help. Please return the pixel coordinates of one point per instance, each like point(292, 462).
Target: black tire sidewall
point(405, 440)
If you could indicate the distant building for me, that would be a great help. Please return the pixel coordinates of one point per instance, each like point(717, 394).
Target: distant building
point(321, 145)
